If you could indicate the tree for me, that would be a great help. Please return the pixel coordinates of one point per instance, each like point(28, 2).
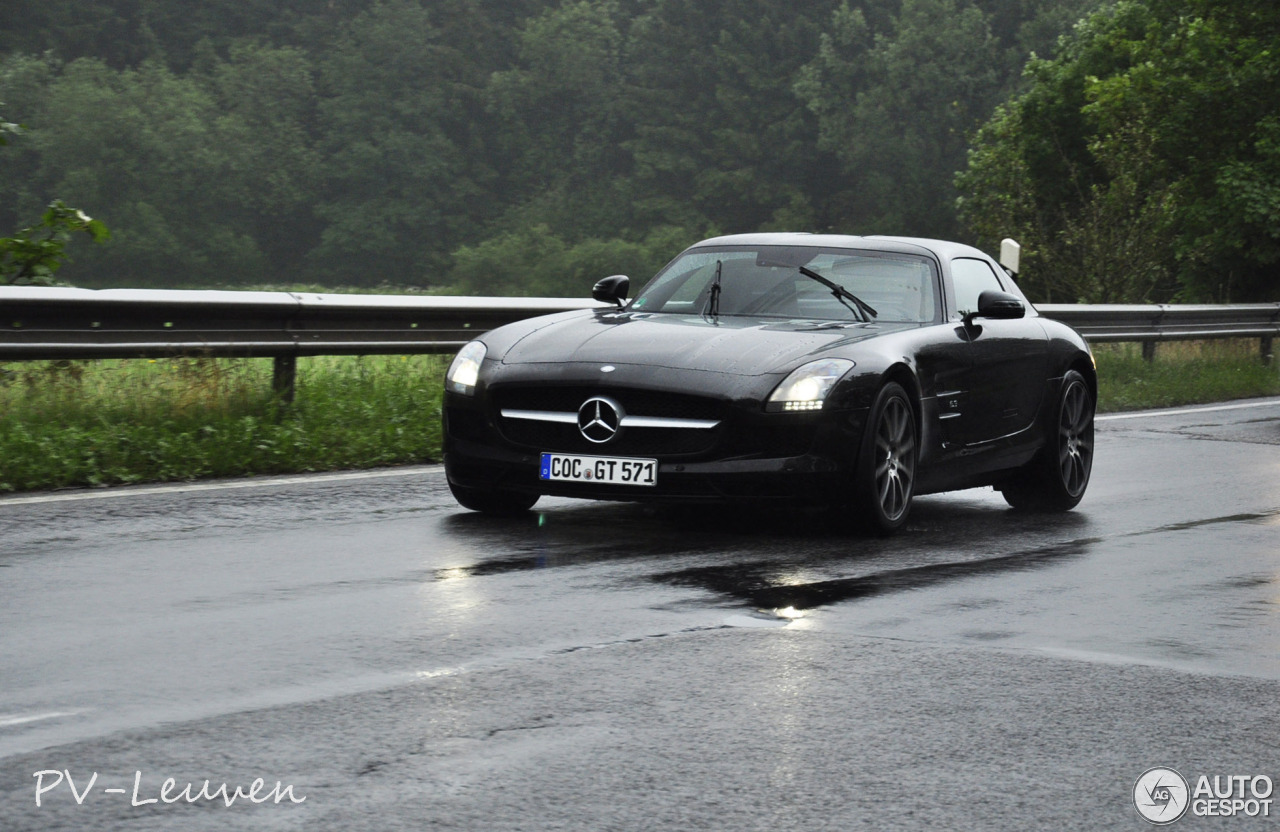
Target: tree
point(896, 106)
point(720, 138)
point(369, 142)
point(535, 261)
point(1157, 122)
point(559, 150)
point(405, 142)
point(266, 121)
point(146, 147)
point(898, 90)
point(125, 33)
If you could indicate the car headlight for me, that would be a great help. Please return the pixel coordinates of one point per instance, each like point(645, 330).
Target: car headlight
point(464, 372)
point(806, 388)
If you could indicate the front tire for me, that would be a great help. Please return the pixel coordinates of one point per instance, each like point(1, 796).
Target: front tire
point(885, 478)
point(493, 500)
point(1058, 476)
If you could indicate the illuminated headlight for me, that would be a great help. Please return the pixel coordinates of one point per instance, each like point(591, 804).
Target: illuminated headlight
point(465, 369)
point(807, 387)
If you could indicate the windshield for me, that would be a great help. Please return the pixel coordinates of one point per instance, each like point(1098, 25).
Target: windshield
point(766, 282)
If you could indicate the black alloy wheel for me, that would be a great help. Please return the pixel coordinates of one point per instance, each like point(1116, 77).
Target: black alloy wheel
point(887, 466)
point(1057, 478)
point(1075, 439)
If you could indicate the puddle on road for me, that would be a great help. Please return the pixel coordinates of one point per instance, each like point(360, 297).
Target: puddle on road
point(758, 584)
point(1210, 521)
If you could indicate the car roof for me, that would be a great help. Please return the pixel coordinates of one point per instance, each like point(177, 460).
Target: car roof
point(942, 249)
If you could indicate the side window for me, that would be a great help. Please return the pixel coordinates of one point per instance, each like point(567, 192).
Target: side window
point(971, 278)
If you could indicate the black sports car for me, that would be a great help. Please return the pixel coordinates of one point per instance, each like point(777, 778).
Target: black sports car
point(853, 372)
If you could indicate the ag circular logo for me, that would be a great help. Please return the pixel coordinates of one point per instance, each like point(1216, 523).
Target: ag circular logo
point(600, 419)
point(1161, 795)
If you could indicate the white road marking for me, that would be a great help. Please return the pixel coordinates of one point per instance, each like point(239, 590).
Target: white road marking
point(183, 488)
point(7, 720)
point(1186, 411)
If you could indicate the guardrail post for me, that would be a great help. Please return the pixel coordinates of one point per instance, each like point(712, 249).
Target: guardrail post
point(284, 375)
point(1148, 350)
point(1266, 349)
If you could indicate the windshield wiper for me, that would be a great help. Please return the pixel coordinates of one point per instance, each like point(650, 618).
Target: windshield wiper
point(841, 294)
point(713, 303)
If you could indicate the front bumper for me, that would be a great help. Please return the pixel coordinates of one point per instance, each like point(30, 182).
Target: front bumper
point(801, 457)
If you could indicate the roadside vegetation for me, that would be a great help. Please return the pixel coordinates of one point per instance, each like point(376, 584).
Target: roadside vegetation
point(1182, 373)
point(87, 423)
point(95, 423)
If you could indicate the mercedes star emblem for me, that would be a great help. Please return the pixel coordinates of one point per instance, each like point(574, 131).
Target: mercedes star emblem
point(600, 419)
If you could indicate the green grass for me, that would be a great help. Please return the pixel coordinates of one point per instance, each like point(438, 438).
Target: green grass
point(1182, 373)
point(114, 422)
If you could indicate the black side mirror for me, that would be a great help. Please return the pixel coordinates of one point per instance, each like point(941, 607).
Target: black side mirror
point(998, 306)
point(612, 289)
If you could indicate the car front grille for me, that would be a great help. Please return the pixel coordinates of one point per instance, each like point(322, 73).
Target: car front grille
point(632, 441)
point(734, 438)
point(636, 402)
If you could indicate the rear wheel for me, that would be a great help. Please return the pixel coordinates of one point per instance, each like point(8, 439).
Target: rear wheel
point(493, 500)
point(884, 482)
point(1057, 478)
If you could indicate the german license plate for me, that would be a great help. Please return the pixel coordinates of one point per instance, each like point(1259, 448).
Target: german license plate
point(610, 470)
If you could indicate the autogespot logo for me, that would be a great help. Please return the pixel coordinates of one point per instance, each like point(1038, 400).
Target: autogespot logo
point(1161, 795)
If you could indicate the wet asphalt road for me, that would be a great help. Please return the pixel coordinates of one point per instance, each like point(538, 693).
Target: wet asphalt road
point(407, 665)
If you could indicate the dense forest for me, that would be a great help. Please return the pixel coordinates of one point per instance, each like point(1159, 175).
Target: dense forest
point(531, 146)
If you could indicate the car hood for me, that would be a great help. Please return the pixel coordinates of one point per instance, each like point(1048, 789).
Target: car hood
point(738, 346)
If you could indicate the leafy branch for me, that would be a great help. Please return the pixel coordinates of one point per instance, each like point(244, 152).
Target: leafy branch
point(33, 254)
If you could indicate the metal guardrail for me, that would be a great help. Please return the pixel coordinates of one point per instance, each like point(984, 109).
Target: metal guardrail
point(132, 323)
point(56, 323)
point(1167, 322)
point(1153, 323)
point(43, 323)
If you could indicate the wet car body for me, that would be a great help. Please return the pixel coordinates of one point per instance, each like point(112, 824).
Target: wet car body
point(984, 394)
